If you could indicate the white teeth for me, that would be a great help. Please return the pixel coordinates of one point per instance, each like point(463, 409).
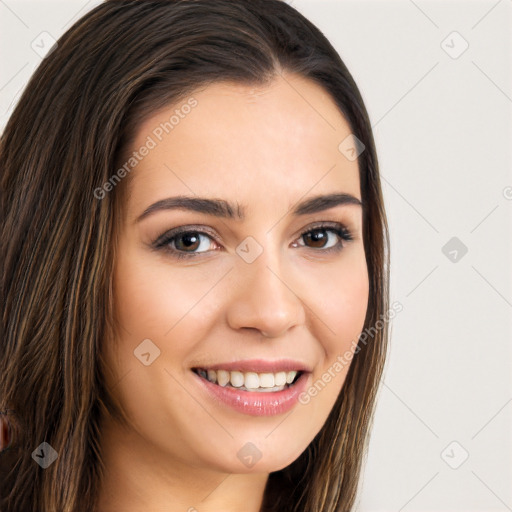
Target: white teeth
point(280, 379)
point(237, 379)
point(290, 376)
point(222, 377)
point(267, 380)
point(250, 380)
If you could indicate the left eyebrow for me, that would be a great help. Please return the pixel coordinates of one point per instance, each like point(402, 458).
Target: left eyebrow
point(325, 202)
point(224, 209)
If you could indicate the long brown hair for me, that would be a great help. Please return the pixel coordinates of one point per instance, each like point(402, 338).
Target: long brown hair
point(119, 63)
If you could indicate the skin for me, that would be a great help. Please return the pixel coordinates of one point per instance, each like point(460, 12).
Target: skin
point(265, 148)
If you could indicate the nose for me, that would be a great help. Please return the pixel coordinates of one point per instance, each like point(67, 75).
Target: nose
point(264, 300)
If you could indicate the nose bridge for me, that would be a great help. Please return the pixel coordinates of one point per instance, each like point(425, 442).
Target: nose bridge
point(263, 297)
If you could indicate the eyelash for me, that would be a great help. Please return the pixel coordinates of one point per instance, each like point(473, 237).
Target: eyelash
point(162, 242)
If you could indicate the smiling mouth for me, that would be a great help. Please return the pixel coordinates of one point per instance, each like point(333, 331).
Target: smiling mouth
point(250, 381)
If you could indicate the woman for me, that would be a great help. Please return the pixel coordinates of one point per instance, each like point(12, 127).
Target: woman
point(195, 248)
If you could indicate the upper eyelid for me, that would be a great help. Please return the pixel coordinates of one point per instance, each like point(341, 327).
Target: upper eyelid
point(194, 228)
point(197, 228)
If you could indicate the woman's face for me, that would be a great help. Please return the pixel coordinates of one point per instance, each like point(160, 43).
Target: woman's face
point(246, 289)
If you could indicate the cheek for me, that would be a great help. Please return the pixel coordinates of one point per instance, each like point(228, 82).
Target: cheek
point(152, 298)
point(341, 307)
point(156, 301)
point(341, 303)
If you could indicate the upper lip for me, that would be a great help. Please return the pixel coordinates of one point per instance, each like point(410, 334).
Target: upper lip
point(258, 366)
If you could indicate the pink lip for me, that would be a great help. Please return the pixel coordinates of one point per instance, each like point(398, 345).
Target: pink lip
point(255, 403)
point(259, 366)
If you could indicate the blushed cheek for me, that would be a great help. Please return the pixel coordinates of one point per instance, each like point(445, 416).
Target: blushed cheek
point(141, 311)
point(342, 322)
point(144, 303)
point(153, 301)
point(345, 312)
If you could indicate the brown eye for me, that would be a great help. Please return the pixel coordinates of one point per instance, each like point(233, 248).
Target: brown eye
point(317, 237)
point(326, 238)
point(190, 241)
point(185, 242)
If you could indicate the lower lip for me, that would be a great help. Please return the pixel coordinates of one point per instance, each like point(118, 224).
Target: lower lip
point(256, 403)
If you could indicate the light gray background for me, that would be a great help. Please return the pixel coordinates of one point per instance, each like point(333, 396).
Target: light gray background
point(443, 132)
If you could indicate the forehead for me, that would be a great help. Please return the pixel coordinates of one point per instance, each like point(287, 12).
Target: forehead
point(258, 142)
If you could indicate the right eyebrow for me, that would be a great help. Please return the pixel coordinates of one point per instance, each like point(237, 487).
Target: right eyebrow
point(225, 209)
